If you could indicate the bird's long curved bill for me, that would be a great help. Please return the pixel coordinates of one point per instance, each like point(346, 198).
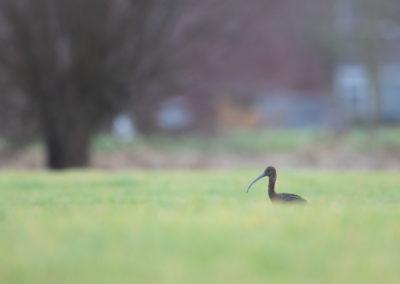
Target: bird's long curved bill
point(257, 178)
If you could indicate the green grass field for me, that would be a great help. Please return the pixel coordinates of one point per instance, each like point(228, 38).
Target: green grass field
point(252, 141)
point(198, 227)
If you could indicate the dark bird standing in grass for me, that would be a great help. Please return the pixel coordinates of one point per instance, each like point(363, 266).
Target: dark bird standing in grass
point(273, 196)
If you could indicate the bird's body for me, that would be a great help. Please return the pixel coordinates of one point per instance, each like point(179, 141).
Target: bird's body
point(273, 196)
point(288, 197)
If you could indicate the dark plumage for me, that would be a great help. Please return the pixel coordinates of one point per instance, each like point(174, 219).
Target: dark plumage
point(273, 196)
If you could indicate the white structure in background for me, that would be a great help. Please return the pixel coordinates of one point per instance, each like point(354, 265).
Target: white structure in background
point(390, 87)
point(352, 84)
point(174, 114)
point(123, 128)
point(287, 109)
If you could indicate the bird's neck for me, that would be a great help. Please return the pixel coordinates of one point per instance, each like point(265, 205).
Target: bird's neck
point(271, 187)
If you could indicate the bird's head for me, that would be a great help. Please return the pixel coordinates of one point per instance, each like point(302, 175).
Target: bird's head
point(268, 172)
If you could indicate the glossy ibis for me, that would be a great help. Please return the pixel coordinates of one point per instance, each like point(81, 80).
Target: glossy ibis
point(273, 196)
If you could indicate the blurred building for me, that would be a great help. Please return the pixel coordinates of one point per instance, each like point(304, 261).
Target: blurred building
point(367, 71)
point(353, 89)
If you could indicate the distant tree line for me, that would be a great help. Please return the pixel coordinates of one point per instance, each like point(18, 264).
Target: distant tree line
point(67, 67)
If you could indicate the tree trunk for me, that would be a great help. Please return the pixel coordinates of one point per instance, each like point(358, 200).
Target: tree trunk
point(67, 150)
point(67, 147)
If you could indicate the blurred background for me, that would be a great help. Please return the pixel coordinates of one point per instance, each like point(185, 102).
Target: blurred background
point(199, 84)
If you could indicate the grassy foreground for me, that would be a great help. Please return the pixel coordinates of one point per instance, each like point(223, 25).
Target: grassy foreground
point(198, 227)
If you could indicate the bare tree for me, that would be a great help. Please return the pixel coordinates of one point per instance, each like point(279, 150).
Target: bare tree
point(77, 62)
